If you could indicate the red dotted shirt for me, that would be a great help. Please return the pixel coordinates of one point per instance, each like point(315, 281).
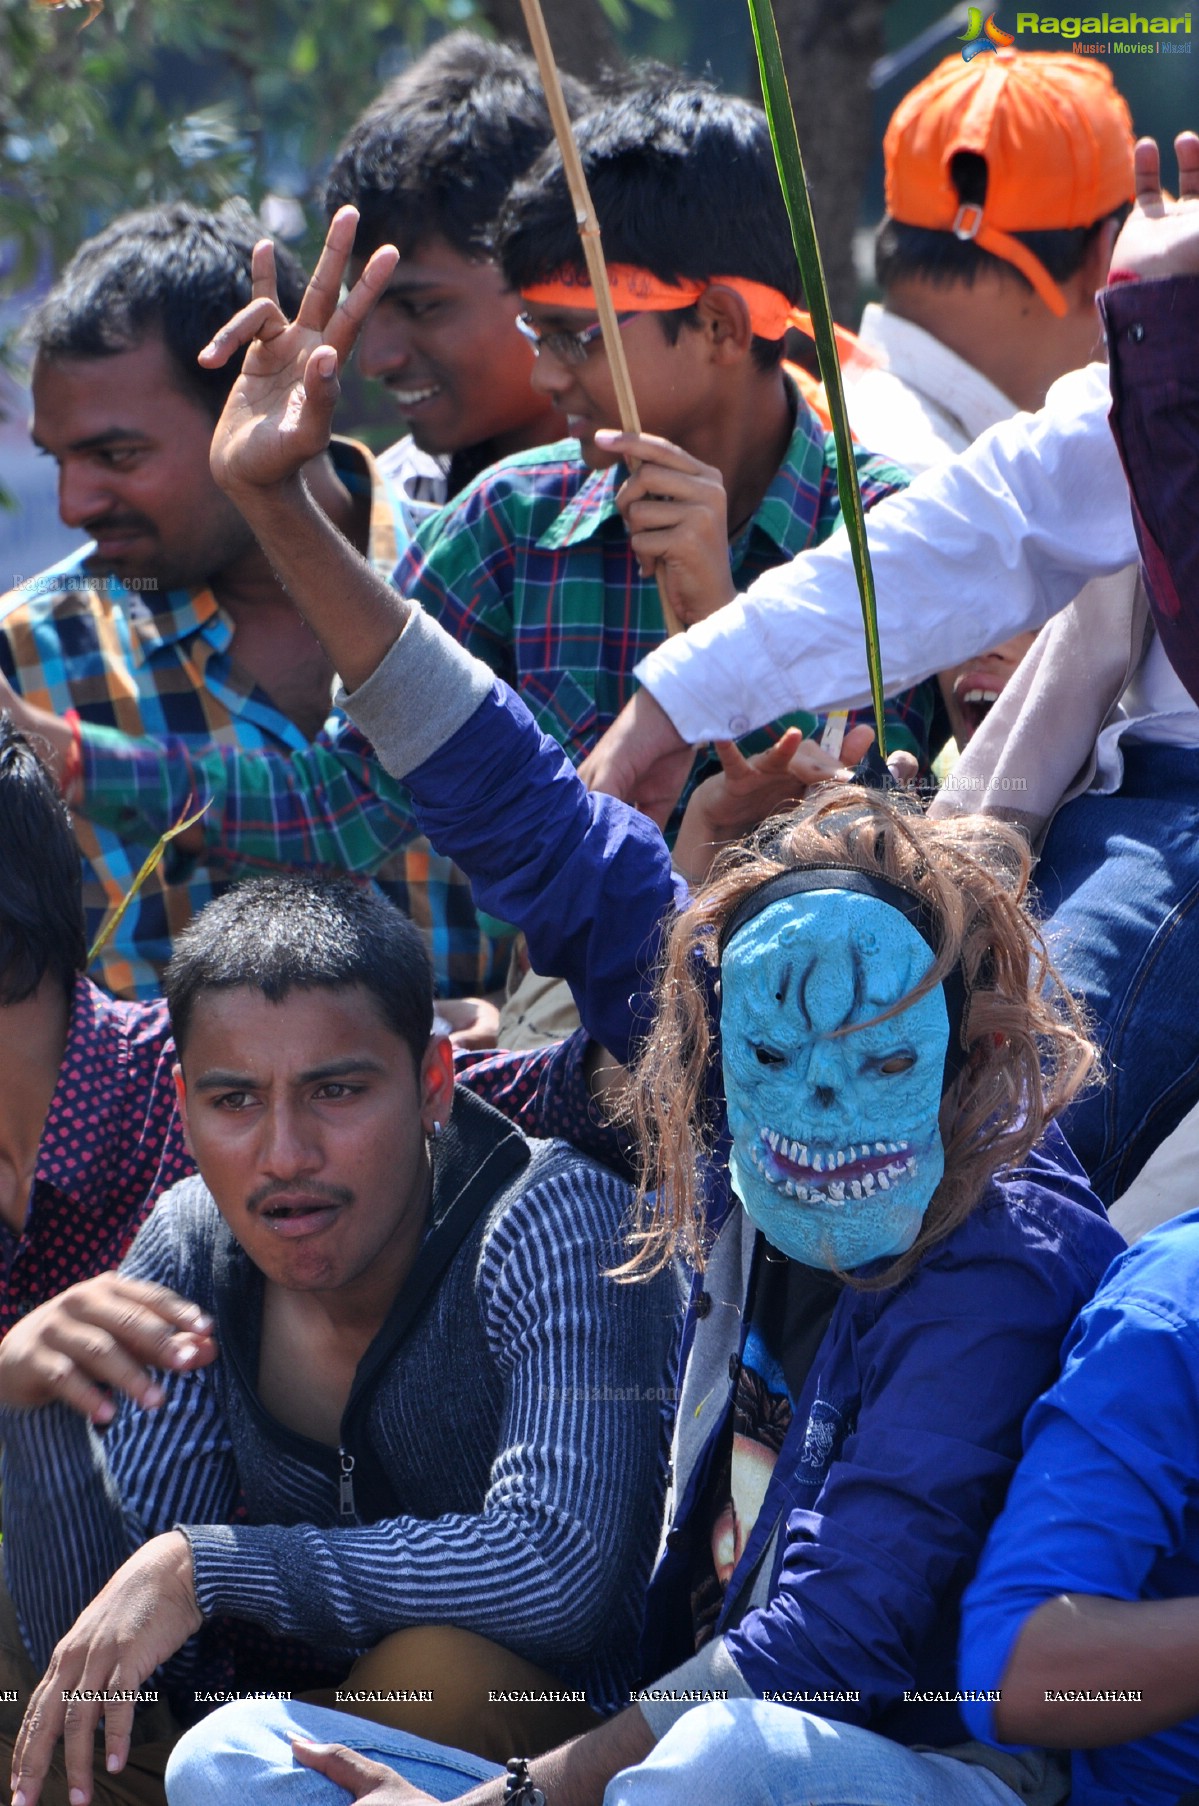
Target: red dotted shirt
point(112, 1143)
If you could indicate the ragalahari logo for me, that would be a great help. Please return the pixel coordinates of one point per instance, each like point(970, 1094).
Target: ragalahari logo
point(94, 8)
point(979, 36)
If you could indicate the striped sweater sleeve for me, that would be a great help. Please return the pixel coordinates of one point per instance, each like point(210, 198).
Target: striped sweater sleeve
point(581, 1360)
point(78, 1503)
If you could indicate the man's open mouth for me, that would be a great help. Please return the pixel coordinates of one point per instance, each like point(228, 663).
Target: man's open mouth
point(976, 703)
point(413, 395)
point(299, 1215)
point(815, 1174)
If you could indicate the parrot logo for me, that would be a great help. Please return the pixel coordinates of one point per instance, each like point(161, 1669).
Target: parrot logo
point(979, 36)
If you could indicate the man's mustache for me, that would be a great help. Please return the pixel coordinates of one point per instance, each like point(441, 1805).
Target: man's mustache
point(277, 1188)
point(117, 523)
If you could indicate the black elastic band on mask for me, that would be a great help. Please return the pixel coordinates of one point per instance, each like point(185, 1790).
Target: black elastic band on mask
point(912, 907)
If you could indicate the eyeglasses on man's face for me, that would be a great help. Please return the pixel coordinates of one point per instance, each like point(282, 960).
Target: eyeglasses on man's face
point(567, 347)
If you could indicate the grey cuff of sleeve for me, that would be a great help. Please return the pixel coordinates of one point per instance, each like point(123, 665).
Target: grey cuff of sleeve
point(711, 1673)
point(423, 692)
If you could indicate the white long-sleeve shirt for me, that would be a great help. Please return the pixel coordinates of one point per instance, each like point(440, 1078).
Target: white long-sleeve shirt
point(986, 546)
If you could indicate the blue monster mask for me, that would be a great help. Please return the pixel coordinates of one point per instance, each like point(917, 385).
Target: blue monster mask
point(836, 1144)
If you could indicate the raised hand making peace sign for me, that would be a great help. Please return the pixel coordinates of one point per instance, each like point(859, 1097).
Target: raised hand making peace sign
point(280, 411)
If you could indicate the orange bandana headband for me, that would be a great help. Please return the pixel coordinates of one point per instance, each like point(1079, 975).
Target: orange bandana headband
point(637, 291)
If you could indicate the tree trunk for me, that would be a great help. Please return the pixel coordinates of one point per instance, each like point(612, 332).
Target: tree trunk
point(828, 47)
point(582, 38)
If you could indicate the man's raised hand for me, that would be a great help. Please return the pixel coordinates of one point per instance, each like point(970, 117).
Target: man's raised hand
point(280, 410)
point(1160, 237)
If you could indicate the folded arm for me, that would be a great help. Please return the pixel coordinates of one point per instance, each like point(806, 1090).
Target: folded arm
point(1063, 1601)
point(77, 1504)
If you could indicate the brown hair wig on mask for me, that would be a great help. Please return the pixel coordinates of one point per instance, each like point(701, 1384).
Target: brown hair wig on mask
point(1027, 1052)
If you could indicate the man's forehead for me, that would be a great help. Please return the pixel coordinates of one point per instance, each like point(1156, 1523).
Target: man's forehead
point(124, 392)
point(431, 263)
point(286, 1030)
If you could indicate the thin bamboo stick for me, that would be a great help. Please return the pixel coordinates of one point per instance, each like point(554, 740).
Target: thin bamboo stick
point(589, 234)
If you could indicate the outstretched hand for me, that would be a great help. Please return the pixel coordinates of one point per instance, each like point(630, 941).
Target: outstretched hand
point(106, 1334)
point(280, 410)
point(1160, 237)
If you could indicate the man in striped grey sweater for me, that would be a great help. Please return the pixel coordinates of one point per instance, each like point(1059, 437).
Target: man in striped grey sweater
point(401, 1393)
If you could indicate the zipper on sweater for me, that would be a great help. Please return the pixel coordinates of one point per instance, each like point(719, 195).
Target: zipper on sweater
point(345, 1486)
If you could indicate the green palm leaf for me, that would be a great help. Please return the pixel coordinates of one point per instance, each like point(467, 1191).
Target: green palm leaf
point(150, 864)
point(781, 117)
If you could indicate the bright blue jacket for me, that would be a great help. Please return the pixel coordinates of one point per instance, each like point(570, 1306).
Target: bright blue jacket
point(908, 1429)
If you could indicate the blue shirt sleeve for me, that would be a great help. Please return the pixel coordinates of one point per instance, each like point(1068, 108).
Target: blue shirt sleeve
point(1102, 1493)
point(585, 877)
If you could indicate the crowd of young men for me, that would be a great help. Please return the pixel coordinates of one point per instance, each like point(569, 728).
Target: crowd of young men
point(375, 1408)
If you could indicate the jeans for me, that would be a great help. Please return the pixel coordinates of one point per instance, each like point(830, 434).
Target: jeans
point(1119, 882)
point(748, 1752)
point(243, 1752)
point(743, 1753)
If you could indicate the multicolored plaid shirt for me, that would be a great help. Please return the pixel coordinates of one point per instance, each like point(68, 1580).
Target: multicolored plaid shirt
point(161, 665)
point(532, 570)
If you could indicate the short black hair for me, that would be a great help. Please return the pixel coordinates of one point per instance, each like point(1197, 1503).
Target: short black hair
point(437, 152)
point(920, 253)
point(174, 270)
point(42, 924)
point(684, 184)
point(276, 935)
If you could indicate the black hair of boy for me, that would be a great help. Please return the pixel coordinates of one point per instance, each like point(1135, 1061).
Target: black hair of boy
point(435, 155)
point(684, 184)
point(278, 935)
point(42, 925)
point(175, 271)
point(905, 253)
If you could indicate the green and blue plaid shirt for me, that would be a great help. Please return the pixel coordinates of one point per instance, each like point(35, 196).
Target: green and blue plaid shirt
point(532, 570)
point(138, 663)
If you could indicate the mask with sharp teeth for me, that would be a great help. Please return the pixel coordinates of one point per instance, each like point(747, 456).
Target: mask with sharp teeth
point(837, 1147)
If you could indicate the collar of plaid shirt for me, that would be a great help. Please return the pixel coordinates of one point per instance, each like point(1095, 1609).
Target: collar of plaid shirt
point(787, 514)
point(157, 664)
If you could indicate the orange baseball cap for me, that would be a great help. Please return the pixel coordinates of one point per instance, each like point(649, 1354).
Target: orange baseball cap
point(1053, 130)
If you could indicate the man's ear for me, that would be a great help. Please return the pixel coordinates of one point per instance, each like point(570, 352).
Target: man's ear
point(436, 1083)
point(181, 1103)
point(724, 322)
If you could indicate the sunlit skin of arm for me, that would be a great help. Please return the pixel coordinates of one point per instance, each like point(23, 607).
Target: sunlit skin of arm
point(1077, 1643)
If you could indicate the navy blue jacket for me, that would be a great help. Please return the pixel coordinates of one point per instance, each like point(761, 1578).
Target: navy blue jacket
point(908, 1429)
